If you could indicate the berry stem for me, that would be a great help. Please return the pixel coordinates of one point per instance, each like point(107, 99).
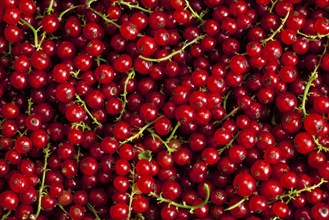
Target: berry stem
point(137, 6)
point(227, 146)
point(320, 146)
point(168, 57)
point(272, 6)
point(47, 153)
point(77, 157)
point(226, 97)
point(68, 10)
point(294, 192)
point(166, 142)
point(79, 100)
point(80, 125)
point(132, 193)
point(105, 18)
point(311, 37)
point(312, 77)
point(29, 106)
point(92, 209)
point(89, 2)
point(144, 154)
point(234, 110)
point(194, 14)
point(62, 208)
point(5, 216)
point(160, 199)
point(130, 76)
point(50, 8)
point(172, 135)
point(237, 204)
point(274, 33)
point(37, 44)
point(138, 134)
point(75, 74)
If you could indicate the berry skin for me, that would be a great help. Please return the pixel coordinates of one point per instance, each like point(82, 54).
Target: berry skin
point(244, 184)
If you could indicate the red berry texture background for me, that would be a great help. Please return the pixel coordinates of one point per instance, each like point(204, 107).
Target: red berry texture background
point(164, 109)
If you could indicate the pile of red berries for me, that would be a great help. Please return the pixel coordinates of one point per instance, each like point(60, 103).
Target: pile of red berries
point(164, 109)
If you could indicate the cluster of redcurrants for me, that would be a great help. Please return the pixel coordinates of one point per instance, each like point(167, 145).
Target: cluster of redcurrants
point(164, 109)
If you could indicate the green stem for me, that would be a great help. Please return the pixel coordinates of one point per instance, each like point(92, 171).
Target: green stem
point(35, 33)
point(130, 76)
point(78, 155)
point(10, 45)
point(234, 110)
point(79, 100)
point(274, 33)
point(272, 6)
point(92, 209)
point(68, 10)
point(168, 57)
point(313, 76)
point(50, 8)
point(99, 59)
point(172, 134)
point(47, 153)
point(62, 208)
point(29, 106)
point(166, 142)
point(130, 6)
point(226, 97)
point(5, 216)
point(311, 37)
point(80, 125)
point(138, 134)
point(160, 199)
point(75, 74)
point(106, 19)
point(237, 204)
point(294, 192)
point(194, 14)
point(132, 193)
point(89, 2)
point(227, 146)
point(320, 146)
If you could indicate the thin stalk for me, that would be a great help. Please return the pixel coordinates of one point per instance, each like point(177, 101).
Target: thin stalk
point(137, 6)
point(130, 76)
point(274, 33)
point(237, 204)
point(272, 6)
point(227, 146)
point(105, 18)
point(160, 199)
point(5, 216)
point(313, 76)
point(194, 14)
point(294, 192)
point(132, 193)
point(35, 33)
point(62, 208)
point(67, 10)
point(311, 37)
point(50, 8)
point(181, 50)
point(79, 100)
point(234, 110)
point(140, 133)
point(92, 209)
point(47, 153)
point(166, 142)
point(320, 146)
